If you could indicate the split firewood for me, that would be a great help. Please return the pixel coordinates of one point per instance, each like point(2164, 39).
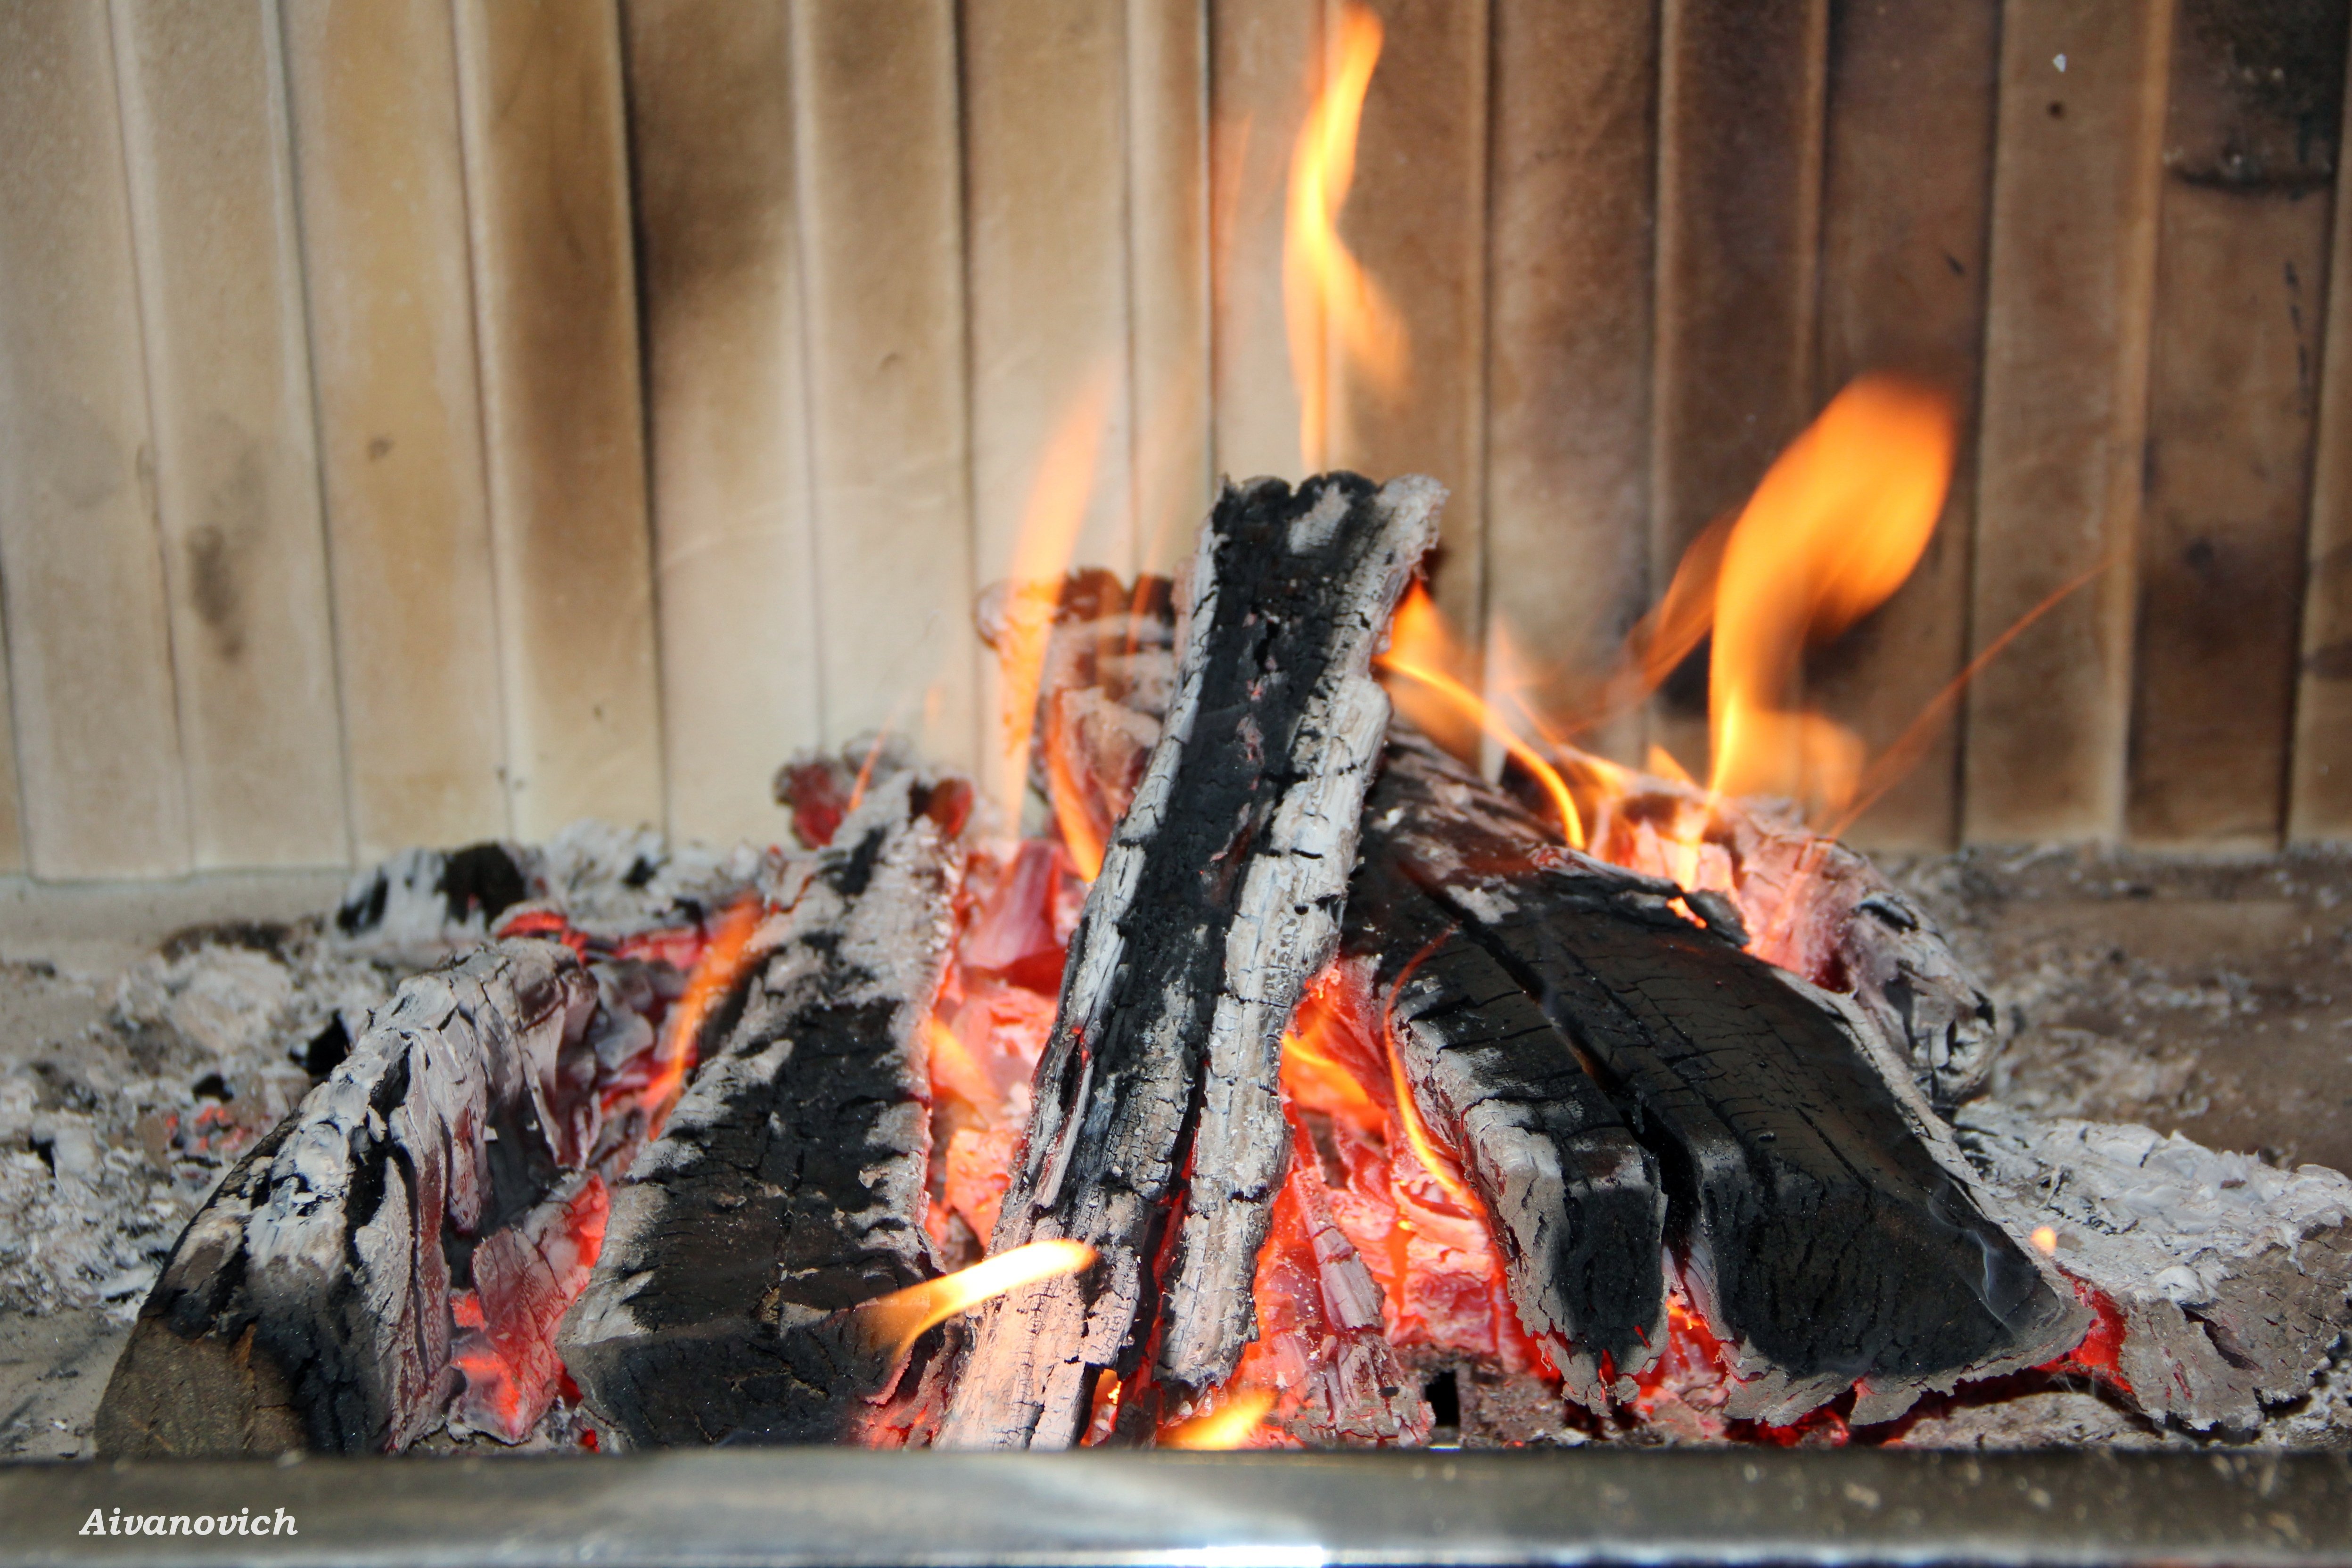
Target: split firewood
point(788, 1185)
point(1831, 1233)
point(1575, 1200)
point(1818, 909)
point(1158, 1099)
point(308, 1304)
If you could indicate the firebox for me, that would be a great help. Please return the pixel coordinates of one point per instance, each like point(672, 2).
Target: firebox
point(1570, 763)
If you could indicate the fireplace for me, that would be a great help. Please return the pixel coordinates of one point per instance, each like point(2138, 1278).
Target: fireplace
point(1764, 882)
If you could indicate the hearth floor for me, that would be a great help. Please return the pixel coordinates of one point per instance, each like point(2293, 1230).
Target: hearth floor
point(2209, 997)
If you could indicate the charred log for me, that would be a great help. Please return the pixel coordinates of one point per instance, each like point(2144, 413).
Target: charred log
point(788, 1185)
point(308, 1304)
point(1575, 1201)
point(1821, 1235)
point(1218, 899)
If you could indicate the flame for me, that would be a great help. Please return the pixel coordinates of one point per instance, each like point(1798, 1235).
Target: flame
point(1227, 1427)
point(1438, 1160)
point(1326, 293)
point(715, 974)
point(1073, 809)
point(902, 1317)
point(1417, 640)
point(1838, 523)
point(2045, 1240)
point(1051, 519)
point(954, 1068)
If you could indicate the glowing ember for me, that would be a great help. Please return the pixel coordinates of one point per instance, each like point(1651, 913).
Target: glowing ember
point(902, 1317)
point(1326, 294)
point(722, 963)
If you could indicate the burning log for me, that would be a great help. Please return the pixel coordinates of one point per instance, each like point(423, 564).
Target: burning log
point(1823, 1236)
point(1575, 1200)
point(309, 1303)
point(788, 1187)
point(1819, 910)
point(1218, 899)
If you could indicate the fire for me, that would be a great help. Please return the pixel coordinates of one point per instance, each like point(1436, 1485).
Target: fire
point(715, 974)
point(1440, 1162)
point(902, 1317)
point(1833, 530)
point(1421, 649)
point(1051, 519)
point(1326, 293)
point(1228, 1426)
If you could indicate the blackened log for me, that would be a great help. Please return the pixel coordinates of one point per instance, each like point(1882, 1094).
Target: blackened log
point(307, 1305)
point(1821, 910)
point(1575, 1201)
point(1218, 899)
point(1825, 1239)
point(788, 1185)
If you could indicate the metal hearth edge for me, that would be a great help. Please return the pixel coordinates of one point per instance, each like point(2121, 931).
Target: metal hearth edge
point(1205, 1511)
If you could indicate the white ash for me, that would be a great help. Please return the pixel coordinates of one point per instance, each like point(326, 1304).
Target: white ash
point(2231, 1274)
point(111, 1139)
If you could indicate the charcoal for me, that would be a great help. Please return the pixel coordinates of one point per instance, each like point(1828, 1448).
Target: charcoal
point(1822, 1233)
point(1575, 1200)
point(788, 1185)
point(1157, 1102)
point(307, 1305)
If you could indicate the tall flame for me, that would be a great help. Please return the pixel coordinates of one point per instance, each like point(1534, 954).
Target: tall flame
point(1051, 519)
point(1839, 520)
point(902, 1317)
point(1326, 294)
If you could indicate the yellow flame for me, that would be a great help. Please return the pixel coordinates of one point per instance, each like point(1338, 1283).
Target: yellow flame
point(902, 1317)
point(1227, 1427)
point(1051, 519)
point(1838, 523)
point(1415, 642)
point(1325, 290)
point(2045, 1240)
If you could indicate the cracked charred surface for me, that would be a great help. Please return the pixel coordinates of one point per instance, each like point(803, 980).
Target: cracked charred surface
point(1825, 1240)
point(1575, 1200)
point(306, 1306)
point(1219, 898)
point(788, 1185)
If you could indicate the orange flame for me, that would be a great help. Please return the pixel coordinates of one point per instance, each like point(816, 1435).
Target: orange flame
point(714, 973)
point(1073, 812)
point(1838, 523)
point(1438, 1160)
point(1326, 293)
point(1051, 519)
point(902, 1317)
point(1417, 642)
point(1227, 1427)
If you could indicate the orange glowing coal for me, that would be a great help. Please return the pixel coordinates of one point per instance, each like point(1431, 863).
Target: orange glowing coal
point(714, 973)
point(1327, 298)
point(1838, 523)
point(902, 1317)
point(1227, 1427)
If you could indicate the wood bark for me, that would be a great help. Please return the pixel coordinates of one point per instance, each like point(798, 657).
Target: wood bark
point(1218, 899)
point(788, 1187)
point(308, 1304)
point(1577, 1203)
point(1824, 1238)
